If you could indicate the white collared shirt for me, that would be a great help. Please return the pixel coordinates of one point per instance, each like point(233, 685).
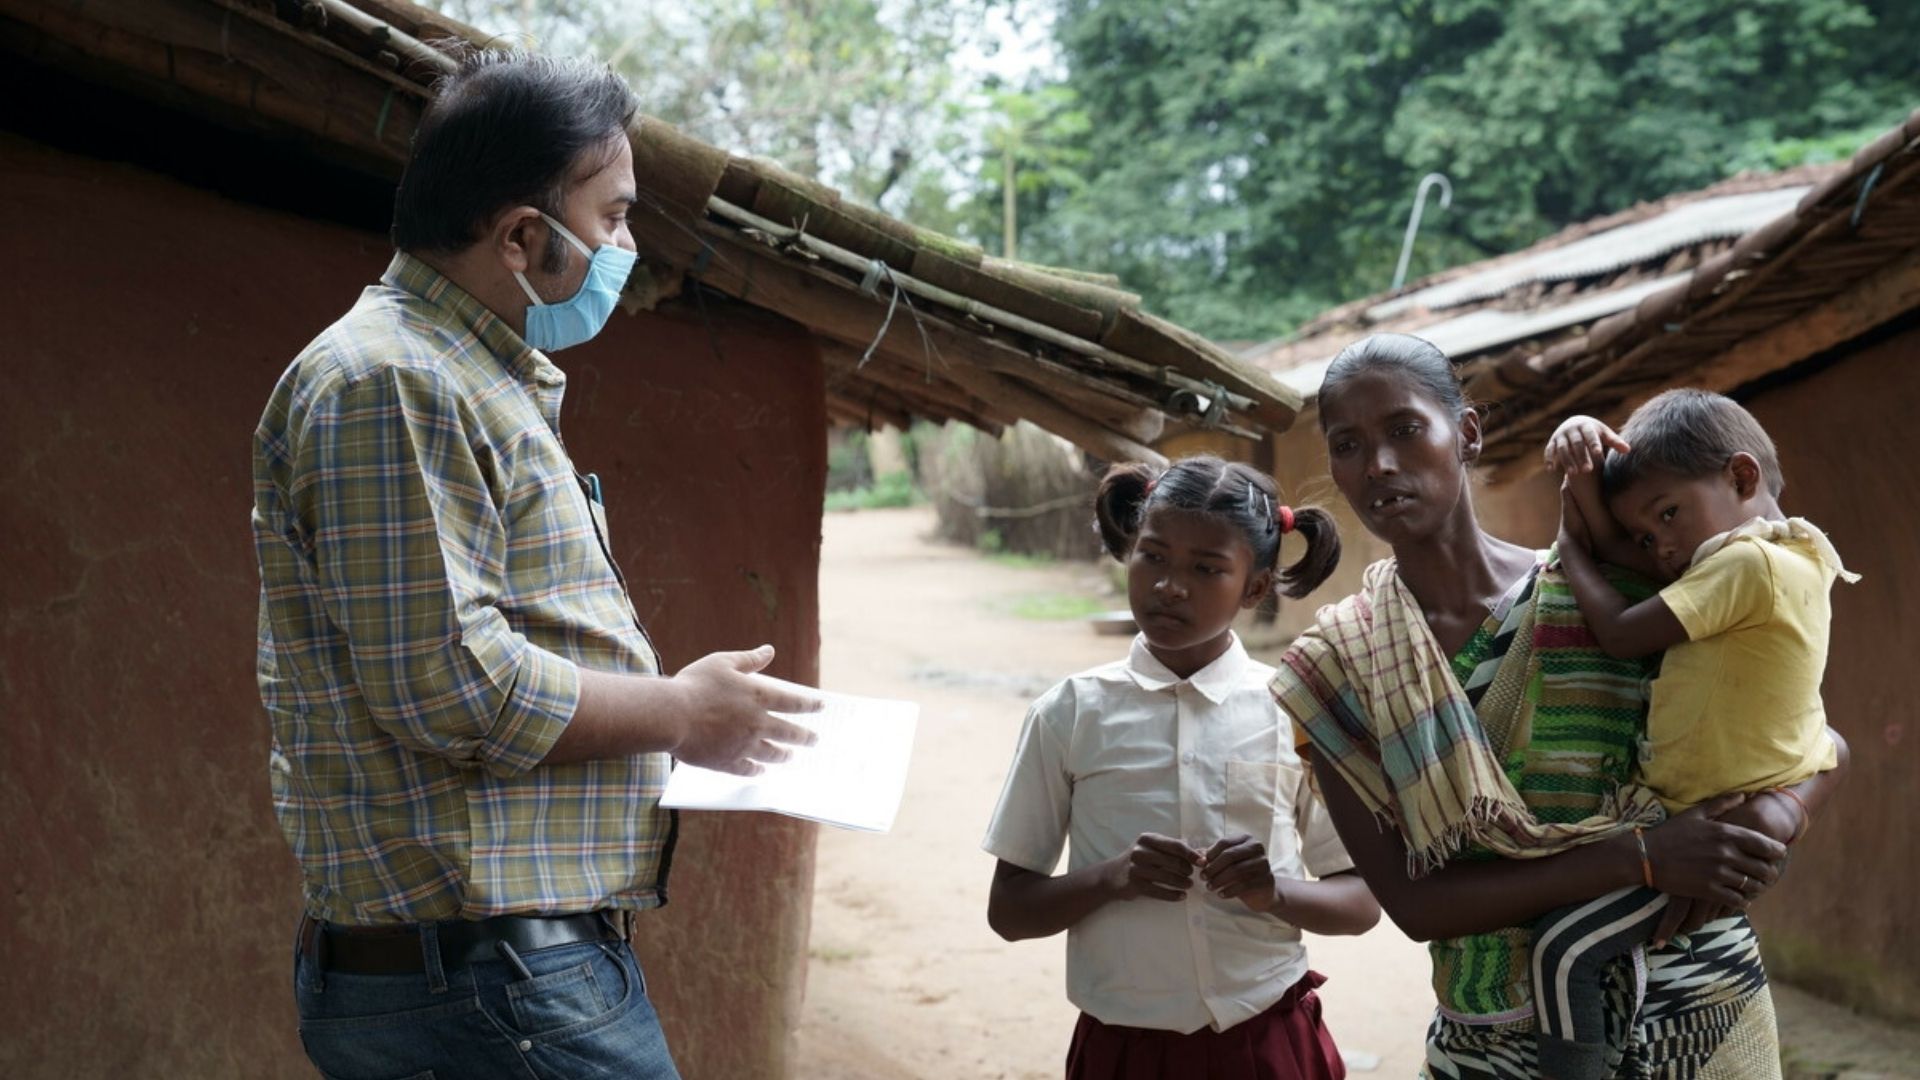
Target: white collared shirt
point(1130, 748)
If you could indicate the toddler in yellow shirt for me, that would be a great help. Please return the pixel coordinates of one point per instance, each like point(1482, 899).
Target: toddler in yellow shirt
point(1688, 490)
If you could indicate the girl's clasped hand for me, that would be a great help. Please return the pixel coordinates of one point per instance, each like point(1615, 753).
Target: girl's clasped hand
point(1234, 868)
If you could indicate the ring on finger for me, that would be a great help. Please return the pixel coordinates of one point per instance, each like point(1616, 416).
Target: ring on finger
point(1743, 884)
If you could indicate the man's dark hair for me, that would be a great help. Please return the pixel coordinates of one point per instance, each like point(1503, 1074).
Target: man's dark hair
point(1690, 434)
point(506, 129)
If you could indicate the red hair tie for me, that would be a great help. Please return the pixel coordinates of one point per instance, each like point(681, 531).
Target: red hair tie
point(1149, 492)
point(1284, 515)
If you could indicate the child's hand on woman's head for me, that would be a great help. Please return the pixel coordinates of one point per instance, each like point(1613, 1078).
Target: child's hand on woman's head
point(1580, 445)
point(1237, 868)
point(1157, 867)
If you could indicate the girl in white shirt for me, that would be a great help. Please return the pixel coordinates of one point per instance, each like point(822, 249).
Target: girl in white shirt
point(1192, 824)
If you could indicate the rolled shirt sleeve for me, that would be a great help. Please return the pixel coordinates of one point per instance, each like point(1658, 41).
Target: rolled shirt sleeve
point(1029, 826)
point(410, 552)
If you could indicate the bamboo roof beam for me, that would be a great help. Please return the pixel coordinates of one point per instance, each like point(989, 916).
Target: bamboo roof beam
point(832, 306)
point(968, 306)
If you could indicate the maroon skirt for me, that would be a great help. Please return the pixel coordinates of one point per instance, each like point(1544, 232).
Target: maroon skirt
point(1286, 1042)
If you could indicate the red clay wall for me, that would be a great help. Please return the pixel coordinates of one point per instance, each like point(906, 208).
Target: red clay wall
point(150, 899)
point(1843, 920)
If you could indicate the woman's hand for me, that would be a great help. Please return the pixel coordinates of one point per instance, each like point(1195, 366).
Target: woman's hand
point(1768, 813)
point(1695, 856)
point(1237, 868)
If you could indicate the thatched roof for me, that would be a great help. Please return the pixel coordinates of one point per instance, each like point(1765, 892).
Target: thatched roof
point(1714, 288)
point(967, 336)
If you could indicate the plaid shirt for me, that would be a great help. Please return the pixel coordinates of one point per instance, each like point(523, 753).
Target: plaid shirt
point(432, 569)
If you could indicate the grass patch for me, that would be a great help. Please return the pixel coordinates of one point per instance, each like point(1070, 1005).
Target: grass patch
point(1057, 607)
point(888, 492)
point(1020, 560)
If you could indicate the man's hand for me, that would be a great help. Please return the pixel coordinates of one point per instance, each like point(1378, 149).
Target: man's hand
point(1580, 444)
point(1237, 868)
point(726, 713)
point(1158, 867)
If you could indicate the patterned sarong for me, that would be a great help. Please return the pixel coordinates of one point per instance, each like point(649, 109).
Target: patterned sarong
point(1707, 1015)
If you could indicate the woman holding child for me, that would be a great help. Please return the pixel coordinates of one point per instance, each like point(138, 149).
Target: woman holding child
point(1477, 750)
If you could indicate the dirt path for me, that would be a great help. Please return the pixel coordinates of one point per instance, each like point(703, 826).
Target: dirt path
point(906, 980)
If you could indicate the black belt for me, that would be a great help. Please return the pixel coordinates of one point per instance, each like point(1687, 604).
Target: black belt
point(397, 950)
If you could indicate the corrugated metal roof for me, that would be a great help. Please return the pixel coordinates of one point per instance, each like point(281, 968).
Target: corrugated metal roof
point(1725, 217)
point(1488, 328)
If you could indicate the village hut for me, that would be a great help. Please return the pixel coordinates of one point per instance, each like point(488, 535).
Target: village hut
point(195, 188)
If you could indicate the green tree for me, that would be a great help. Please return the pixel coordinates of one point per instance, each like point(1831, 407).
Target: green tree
point(1249, 164)
point(1034, 151)
point(858, 93)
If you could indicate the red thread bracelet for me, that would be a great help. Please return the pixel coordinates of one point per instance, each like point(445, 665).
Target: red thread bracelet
point(1646, 864)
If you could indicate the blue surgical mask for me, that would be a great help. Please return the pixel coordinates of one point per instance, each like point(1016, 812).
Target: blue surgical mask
point(577, 319)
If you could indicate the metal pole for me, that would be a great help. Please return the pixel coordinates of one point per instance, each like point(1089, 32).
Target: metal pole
point(1413, 220)
point(1009, 230)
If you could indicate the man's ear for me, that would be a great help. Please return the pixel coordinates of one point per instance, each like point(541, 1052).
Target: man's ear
point(1745, 471)
point(1259, 587)
point(1470, 438)
point(515, 236)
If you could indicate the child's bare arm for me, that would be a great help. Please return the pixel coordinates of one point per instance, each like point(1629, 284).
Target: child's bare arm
point(1622, 629)
point(1577, 450)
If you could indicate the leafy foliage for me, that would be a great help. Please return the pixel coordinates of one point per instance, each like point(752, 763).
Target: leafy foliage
point(1248, 164)
point(1245, 165)
point(858, 93)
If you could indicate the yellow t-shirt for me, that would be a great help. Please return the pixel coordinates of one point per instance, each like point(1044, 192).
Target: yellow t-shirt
point(1737, 706)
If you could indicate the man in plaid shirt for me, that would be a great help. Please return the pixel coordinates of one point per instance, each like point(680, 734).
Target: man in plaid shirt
point(470, 731)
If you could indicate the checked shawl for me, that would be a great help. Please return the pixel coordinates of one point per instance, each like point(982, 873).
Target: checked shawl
point(1381, 704)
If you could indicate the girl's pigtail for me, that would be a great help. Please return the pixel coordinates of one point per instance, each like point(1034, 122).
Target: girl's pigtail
point(1116, 506)
point(1317, 528)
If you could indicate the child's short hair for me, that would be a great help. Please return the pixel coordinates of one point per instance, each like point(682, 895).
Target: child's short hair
point(1237, 493)
point(1689, 433)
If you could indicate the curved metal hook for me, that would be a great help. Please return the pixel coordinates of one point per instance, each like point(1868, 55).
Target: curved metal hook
point(1413, 220)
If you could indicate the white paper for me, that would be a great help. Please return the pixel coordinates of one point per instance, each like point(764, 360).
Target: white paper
point(852, 777)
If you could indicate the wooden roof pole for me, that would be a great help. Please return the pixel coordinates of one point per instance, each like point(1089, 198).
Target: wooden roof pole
point(832, 306)
point(1888, 292)
point(861, 264)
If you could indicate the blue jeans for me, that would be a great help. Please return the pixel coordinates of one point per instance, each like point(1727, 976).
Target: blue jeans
point(584, 1013)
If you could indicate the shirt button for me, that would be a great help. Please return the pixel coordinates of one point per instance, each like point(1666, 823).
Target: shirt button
point(1186, 758)
point(526, 1045)
point(1197, 920)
